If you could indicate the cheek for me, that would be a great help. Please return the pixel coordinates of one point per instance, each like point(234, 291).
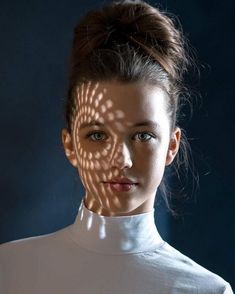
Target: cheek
point(152, 161)
point(92, 163)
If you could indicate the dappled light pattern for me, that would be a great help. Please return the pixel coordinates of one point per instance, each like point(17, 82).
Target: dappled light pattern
point(99, 161)
point(120, 132)
point(87, 221)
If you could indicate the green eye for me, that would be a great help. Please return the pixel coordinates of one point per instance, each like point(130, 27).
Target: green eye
point(142, 136)
point(95, 136)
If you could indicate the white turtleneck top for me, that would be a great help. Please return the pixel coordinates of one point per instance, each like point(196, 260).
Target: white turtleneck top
point(103, 255)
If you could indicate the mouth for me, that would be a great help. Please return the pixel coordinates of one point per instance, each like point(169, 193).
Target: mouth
point(121, 187)
point(122, 181)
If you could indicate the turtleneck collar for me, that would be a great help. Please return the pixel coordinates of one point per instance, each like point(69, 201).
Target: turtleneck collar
point(115, 234)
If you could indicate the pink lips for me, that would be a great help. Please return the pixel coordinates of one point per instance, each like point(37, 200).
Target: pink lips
point(121, 184)
point(119, 187)
point(122, 181)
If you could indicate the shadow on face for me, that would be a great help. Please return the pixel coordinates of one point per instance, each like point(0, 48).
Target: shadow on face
point(120, 131)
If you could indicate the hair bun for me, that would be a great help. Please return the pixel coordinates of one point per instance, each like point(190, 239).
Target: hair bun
point(138, 23)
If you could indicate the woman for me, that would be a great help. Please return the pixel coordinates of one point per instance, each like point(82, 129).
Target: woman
point(122, 132)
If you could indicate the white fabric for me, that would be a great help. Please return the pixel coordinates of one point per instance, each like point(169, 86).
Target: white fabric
point(103, 255)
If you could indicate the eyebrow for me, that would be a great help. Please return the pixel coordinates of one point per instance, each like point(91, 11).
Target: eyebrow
point(139, 124)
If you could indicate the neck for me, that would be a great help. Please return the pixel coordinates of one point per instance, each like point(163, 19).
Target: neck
point(94, 206)
point(115, 235)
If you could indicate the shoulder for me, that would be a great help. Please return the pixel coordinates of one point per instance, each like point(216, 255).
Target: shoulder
point(188, 272)
point(32, 247)
point(24, 261)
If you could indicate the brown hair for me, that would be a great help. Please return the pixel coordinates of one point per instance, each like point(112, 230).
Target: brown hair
point(132, 41)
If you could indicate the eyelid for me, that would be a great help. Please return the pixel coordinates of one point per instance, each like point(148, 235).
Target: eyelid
point(147, 132)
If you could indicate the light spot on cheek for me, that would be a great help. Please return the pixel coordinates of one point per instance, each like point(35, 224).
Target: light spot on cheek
point(104, 152)
point(110, 116)
point(91, 165)
point(81, 152)
point(100, 96)
point(97, 164)
point(119, 114)
point(103, 108)
point(96, 177)
point(97, 155)
point(116, 173)
point(104, 164)
point(105, 178)
point(113, 174)
point(82, 163)
point(109, 103)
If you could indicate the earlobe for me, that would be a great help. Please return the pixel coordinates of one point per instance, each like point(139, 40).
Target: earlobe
point(173, 146)
point(68, 147)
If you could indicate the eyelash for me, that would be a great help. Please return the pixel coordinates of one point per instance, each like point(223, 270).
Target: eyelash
point(144, 132)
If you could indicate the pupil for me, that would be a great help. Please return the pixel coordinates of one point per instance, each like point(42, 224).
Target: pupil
point(98, 136)
point(143, 136)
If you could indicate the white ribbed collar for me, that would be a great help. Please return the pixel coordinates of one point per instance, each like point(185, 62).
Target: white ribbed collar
point(115, 234)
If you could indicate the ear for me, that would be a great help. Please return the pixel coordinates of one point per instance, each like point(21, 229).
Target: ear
point(68, 147)
point(173, 146)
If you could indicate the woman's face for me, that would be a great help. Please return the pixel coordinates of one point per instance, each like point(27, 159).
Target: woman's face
point(120, 131)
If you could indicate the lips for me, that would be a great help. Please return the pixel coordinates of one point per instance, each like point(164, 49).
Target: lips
point(122, 181)
point(117, 187)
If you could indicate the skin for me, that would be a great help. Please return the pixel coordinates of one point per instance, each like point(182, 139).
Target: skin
point(117, 149)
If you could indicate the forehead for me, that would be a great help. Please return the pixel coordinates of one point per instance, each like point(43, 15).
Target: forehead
point(135, 99)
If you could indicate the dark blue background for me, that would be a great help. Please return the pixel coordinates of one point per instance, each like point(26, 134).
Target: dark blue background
point(40, 191)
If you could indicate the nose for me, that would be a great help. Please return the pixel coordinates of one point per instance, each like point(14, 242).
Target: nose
point(121, 158)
